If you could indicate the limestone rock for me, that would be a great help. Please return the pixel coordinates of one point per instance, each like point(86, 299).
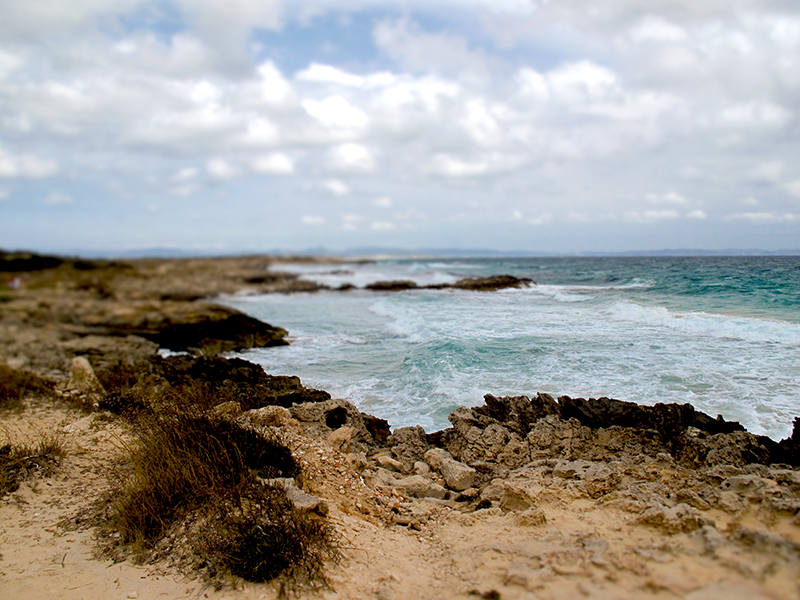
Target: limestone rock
point(457, 476)
point(82, 379)
point(342, 438)
point(269, 416)
point(409, 444)
point(420, 487)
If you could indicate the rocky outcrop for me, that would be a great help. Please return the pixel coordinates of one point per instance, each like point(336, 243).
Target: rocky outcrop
point(494, 282)
point(237, 378)
point(475, 284)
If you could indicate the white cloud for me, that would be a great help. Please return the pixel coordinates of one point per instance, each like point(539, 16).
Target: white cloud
point(667, 198)
point(4, 194)
point(767, 217)
point(382, 202)
point(651, 216)
point(312, 220)
point(221, 168)
point(750, 201)
point(58, 199)
point(696, 214)
point(336, 111)
point(336, 187)
point(185, 174)
point(756, 115)
point(27, 166)
point(449, 166)
point(351, 158)
point(277, 163)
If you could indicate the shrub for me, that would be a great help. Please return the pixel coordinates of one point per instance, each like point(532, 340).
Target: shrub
point(198, 474)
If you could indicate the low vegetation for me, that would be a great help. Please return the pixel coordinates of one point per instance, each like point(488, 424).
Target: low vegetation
point(19, 462)
point(197, 485)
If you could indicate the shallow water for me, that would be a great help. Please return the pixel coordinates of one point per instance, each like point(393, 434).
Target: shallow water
point(720, 333)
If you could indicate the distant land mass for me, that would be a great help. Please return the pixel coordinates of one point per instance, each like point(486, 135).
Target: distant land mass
point(377, 252)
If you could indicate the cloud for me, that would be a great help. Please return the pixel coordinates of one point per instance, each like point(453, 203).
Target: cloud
point(336, 187)
point(336, 112)
point(312, 220)
point(25, 166)
point(382, 202)
point(351, 158)
point(767, 217)
point(667, 198)
point(651, 216)
point(4, 194)
point(221, 168)
point(276, 163)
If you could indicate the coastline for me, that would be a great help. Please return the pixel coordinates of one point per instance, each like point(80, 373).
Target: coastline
point(523, 497)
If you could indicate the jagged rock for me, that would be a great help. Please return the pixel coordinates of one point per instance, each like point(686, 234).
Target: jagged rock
point(675, 519)
point(409, 444)
point(668, 419)
point(380, 477)
point(493, 282)
point(269, 416)
point(239, 378)
point(305, 502)
point(341, 438)
point(420, 487)
point(515, 498)
point(319, 418)
point(789, 449)
point(518, 413)
point(743, 485)
point(391, 286)
point(388, 463)
point(235, 332)
point(457, 476)
point(695, 448)
point(378, 428)
point(531, 517)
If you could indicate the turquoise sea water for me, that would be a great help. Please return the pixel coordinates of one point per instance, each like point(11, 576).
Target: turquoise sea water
point(722, 333)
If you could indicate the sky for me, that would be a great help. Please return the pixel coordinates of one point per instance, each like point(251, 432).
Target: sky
point(555, 126)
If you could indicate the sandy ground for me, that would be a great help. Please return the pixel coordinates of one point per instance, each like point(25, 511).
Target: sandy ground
point(568, 546)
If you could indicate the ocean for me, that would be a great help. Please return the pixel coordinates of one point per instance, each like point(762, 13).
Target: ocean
point(721, 333)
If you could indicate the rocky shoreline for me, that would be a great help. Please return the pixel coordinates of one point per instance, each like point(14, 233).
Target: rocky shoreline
point(523, 497)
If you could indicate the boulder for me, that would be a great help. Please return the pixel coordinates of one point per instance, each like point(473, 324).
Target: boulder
point(84, 382)
point(321, 418)
point(409, 444)
point(417, 486)
point(457, 476)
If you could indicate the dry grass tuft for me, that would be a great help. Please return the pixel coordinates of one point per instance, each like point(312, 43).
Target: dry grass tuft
point(196, 478)
point(19, 462)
